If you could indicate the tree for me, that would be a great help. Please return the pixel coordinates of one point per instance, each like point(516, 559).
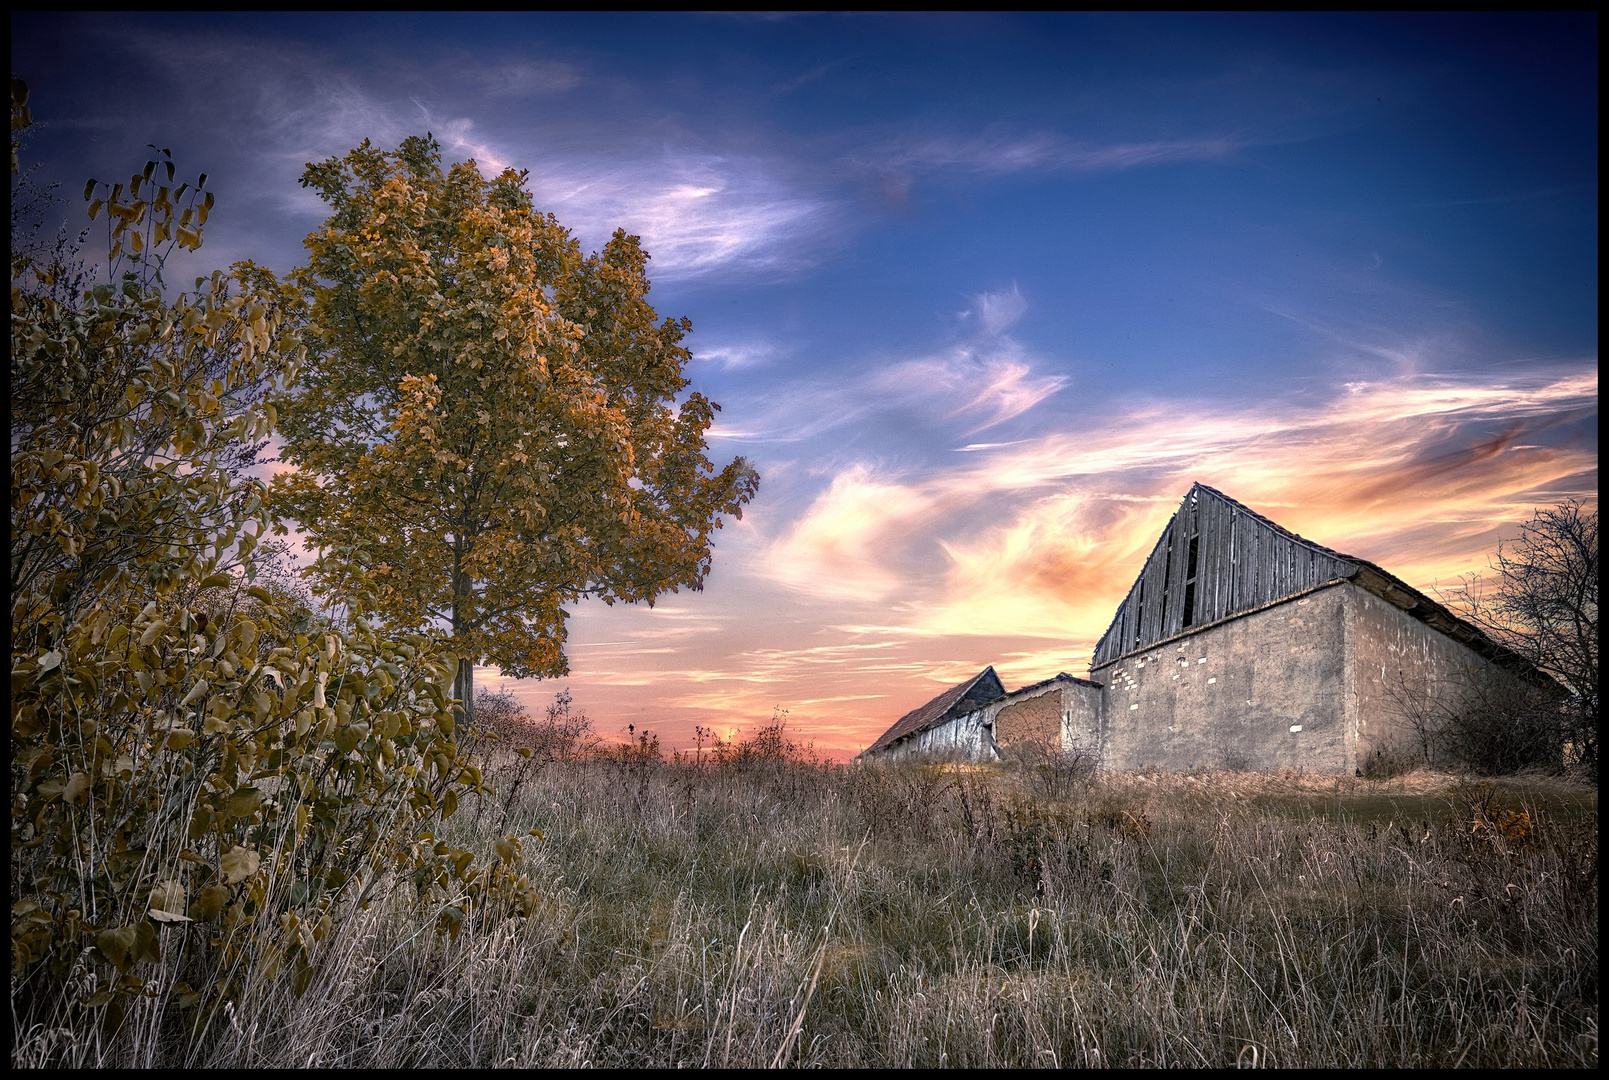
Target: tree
point(487, 427)
point(1543, 603)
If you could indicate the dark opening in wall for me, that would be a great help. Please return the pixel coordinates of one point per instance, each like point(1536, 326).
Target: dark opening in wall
point(1193, 562)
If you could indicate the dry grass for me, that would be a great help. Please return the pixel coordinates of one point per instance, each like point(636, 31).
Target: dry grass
point(777, 912)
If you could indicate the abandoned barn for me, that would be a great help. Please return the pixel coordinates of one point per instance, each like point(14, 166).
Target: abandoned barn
point(1240, 644)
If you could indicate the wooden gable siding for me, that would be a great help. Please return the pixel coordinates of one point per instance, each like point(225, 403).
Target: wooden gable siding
point(958, 701)
point(1215, 558)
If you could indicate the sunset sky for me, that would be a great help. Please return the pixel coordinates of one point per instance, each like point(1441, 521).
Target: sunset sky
point(980, 296)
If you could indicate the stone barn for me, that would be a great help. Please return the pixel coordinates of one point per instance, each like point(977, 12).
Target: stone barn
point(1239, 645)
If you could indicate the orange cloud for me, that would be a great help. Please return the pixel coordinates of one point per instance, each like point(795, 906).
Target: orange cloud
point(1040, 539)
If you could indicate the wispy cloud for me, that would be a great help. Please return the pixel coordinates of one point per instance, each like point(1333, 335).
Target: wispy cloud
point(1517, 196)
point(963, 390)
point(845, 545)
point(997, 312)
point(698, 214)
point(739, 356)
point(974, 385)
point(819, 71)
point(1042, 537)
point(1000, 152)
point(521, 78)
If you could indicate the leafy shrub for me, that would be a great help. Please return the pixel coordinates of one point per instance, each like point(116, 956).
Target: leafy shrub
point(204, 775)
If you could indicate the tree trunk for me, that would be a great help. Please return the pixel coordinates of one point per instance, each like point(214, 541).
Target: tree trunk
point(464, 679)
point(464, 691)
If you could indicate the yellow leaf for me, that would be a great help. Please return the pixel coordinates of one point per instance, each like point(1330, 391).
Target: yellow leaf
point(238, 864)
point(209, 903)
point(116, 945)
point(195, 691)
point(167, 902)
point(245, 801)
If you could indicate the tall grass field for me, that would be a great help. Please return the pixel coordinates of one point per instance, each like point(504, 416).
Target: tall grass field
point(755, 906)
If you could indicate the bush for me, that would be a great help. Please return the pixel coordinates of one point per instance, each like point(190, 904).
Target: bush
point(205, 776)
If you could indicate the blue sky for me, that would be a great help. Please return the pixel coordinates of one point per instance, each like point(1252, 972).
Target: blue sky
point(980, 295)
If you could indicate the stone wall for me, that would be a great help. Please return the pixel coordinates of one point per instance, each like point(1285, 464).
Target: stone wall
point(1399, 666)
point(1036, 719)
point(1265, 690)
point(1316, 682)
point(1082, 708)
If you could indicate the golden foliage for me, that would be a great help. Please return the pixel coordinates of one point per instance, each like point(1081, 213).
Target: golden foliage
point(487, 429)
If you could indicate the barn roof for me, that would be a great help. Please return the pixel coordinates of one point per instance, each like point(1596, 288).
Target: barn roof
point(958, 700)
point(1218, 559)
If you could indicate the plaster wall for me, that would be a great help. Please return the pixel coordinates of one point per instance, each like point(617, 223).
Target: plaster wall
point(1266, 690)
point(1081, 704)
point(1398, 661)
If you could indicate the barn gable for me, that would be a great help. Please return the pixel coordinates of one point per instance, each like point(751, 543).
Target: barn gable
point(958, 700)
point(1218, 558)
point(1215, 558)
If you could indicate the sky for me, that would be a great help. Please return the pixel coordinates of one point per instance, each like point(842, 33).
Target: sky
point(980, 295)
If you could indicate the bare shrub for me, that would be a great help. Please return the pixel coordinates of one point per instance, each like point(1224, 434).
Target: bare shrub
point(562, 735)
point(1542, 601)
point(1050, 771)
point(1480, 718)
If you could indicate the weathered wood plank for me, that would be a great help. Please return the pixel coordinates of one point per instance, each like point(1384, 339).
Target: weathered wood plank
point(1242, 561)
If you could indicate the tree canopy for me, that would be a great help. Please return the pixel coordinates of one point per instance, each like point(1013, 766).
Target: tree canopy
point(490, 424)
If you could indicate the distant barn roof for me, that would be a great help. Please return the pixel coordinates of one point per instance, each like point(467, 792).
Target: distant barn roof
point(958, 700)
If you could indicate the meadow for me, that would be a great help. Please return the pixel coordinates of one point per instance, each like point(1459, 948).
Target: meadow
point(756, 906)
